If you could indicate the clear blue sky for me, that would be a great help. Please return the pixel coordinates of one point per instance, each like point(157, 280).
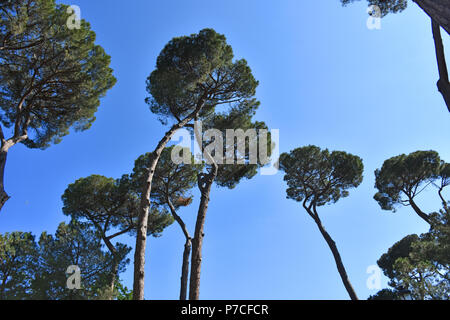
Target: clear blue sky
point(325, 79)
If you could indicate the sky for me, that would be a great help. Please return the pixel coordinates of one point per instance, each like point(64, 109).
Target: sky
point(325, 79)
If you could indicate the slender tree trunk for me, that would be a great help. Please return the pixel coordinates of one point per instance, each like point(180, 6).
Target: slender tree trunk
point(205, 182)
point(185, 270)
point(3, 195)
point(141, 238)
point(186, 253)
point(4, 148)
point(444, 202)
point(443, 84)
point(337, 257)
point(438, 10)
point(114, 267)
point(112, 283)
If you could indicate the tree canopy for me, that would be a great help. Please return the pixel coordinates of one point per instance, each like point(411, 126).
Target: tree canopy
point(318, 177)
point(197, 71)
point(110, 204)
point(37, 270)
point(51, 77)
point(237, 117)
point(54, 84)
point(419, 266)
point(172, 182)
point(17, 262)
point(402, 178)
point(110, 207)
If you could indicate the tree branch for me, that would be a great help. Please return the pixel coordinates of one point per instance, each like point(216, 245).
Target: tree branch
point(443, 82)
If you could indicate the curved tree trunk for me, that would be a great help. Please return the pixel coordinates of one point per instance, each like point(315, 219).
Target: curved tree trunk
point(337, 257)
point(439, 12)
point(443, 84)
point(419, 212)
point(114, 267)
point(444, 202)
point(186, 253)
point(20, 135)
point(141, 237)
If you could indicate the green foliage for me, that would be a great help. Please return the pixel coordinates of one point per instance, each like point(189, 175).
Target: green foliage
point(406, 176)
point(318, 177)
point(19, 16)
point(17, 262)
point(30, 270)
point(97, 197)
point(123, 293)
point(401, 249)
point(73, 244)
point(195, 69)
point(110, 204)
point(385, 294)
point(386, 6)
point(51, 77)
point(420, 265)
point(238, 116)
point(170, 181)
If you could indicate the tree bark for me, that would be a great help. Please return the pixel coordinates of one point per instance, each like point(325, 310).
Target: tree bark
point(141, 238)
point(205, 182)
point(443, 84)
point(444, 202)
point(185, 270)
point(186, 253)
point(337, 257)
point(3, 195)
point(114, 267)
point(5, 146)
point(419, 212)
point(438, 10)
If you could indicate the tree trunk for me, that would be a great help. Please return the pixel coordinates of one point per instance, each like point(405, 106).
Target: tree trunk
point(3, 195)
point(438, 10)
point(112, 283)
point(141, 237)
point(444, 202)
point(205, 182)
point(187, 250)
point(419, 212)
point(5, 146)
point(114, 267)
point(443, 84)
point(185, 270)
point(337, 257)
